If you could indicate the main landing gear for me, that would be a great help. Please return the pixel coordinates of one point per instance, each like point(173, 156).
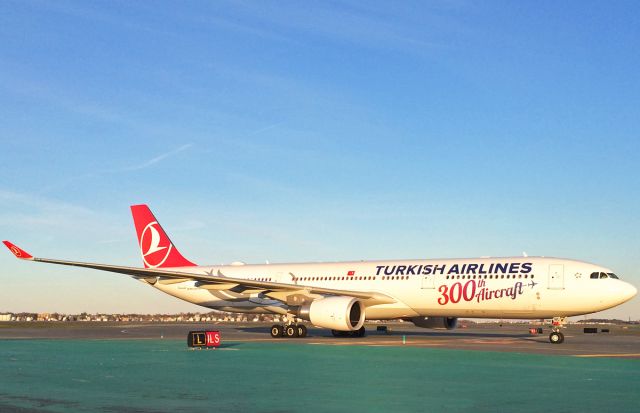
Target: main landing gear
point(556, 337)
point(288, 331)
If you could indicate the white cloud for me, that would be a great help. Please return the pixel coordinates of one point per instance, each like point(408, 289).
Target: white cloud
point(157, 159)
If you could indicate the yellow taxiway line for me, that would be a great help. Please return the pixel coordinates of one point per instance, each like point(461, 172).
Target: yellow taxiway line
point(608, 355)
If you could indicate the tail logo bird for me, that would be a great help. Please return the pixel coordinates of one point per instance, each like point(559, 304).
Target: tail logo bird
point(153, 254)
point(16, 251)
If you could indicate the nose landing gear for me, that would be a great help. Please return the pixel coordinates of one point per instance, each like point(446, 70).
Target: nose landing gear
point(556, 337)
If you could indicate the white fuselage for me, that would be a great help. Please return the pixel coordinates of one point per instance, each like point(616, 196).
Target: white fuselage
point(514, 287)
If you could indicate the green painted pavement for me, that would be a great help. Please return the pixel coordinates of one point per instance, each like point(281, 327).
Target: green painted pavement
point(164, 376)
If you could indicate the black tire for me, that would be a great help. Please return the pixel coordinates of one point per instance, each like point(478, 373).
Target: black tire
point(302, 330)
point(556, 337)
point(291, 331)
point(276, 331)
point(361, 332)
point(339, 333)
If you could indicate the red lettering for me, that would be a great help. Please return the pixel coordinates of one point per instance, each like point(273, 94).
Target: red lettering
point(469, 291)
point(456, 292)
point(445, 297)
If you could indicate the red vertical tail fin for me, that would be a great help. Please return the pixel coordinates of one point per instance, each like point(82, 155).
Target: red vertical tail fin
point(155, 246)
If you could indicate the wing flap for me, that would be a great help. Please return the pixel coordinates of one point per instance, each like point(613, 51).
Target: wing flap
point(170, 281)
point(216, 287)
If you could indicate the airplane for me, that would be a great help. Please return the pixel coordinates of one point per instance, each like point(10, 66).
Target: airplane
point(431, 293)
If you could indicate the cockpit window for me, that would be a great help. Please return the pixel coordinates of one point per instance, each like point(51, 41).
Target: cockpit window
point(596, 275)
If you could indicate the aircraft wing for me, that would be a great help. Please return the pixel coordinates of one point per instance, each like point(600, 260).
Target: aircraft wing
point(292, 294)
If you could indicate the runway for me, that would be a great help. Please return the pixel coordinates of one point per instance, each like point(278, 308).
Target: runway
point(619, 342)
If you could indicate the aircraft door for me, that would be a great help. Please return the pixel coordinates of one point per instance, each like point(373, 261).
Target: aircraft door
point(428, 281)
point(556, 277)
point(279, 277)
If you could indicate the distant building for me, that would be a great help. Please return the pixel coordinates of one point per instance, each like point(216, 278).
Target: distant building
point(163, 318)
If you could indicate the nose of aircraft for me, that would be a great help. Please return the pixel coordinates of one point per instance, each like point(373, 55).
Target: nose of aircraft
point(618, 293)
point(630, 291)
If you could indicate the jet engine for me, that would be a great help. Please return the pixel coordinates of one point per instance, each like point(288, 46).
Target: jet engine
point(337, 313)
point(448, 323)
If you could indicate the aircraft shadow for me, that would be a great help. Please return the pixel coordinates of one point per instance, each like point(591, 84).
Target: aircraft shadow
point(318, 333)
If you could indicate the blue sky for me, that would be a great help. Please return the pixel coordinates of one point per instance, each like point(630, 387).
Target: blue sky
point(294, 131)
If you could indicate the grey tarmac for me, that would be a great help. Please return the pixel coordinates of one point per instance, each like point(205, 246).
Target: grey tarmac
point(621, 340)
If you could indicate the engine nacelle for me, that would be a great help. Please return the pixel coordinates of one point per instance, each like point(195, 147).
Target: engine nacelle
point(436, 322)
point(337, 313)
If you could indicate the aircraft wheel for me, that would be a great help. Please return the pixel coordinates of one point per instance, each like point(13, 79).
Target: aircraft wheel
point(302, 330)
point(291, 331)
point(338, 333)
point(361, 332)
point(556, 337)
point(276, 331)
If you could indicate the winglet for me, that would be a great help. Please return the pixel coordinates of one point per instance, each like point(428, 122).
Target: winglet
point(17, 251)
